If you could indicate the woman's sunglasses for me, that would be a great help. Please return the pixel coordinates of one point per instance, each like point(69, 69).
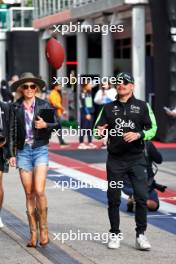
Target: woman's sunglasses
point(26, 86)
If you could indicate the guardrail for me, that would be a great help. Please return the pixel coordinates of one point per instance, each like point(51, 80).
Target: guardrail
point(16, 19)
point(47, 7)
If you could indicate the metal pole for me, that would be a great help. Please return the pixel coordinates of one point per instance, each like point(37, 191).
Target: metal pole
point(138, 50)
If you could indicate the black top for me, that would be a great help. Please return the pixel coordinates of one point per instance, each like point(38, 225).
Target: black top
point(132, 116)
point(18, 128)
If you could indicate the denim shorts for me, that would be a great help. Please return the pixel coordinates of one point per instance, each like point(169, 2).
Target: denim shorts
point(29, 157)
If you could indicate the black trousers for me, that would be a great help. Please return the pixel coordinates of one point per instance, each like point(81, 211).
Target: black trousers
point(137, 172)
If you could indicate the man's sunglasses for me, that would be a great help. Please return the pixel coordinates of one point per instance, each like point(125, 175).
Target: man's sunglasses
point(26, 86)
point(125, 82)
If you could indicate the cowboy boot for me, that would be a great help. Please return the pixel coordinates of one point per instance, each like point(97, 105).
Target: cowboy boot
point(43, 226)
point(33, 228)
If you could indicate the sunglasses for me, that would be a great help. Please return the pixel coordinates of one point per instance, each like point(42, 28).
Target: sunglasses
point(125, 82)
point(26, 86)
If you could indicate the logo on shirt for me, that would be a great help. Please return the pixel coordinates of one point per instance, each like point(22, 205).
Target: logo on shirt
point(120, 124)
point(135, 109)
point(115, 110)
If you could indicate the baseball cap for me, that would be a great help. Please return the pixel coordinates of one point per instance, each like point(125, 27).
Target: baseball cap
point(125, 76)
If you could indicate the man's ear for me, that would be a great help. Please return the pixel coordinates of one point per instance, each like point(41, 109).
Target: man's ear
point(132, 87)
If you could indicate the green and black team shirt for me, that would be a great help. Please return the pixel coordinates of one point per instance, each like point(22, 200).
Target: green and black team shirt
point(133, 116)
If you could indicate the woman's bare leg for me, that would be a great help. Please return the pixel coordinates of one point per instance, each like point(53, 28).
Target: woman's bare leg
point(27, 180)
point(40, 173)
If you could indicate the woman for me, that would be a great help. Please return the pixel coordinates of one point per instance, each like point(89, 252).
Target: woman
point(4, 148)
point(30, 137)
point(55, 99)
point(105, 94)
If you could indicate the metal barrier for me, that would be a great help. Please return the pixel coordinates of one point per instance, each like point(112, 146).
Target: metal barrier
point(16, 18)
point(47, 7)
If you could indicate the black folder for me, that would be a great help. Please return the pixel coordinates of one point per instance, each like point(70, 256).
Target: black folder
point(47, 115)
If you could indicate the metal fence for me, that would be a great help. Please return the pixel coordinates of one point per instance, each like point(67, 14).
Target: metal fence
point(47, 7)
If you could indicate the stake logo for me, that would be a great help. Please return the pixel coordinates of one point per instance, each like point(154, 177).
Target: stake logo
point(120, 124)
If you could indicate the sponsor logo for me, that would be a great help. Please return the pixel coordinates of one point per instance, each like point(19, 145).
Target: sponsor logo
point(135, 109)
point(120, 124)
point(115, 110)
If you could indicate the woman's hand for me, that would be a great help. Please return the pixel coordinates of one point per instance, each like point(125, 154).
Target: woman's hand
point(40, 123)
point(12, 162)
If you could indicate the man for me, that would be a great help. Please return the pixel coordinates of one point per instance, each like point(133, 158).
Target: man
point(4, 148)
point(129, 121)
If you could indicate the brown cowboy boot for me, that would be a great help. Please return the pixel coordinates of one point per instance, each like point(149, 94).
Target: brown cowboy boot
point(43, 226)
point(33, 228)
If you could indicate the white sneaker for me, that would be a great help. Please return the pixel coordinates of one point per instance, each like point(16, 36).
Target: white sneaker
point(82, 146)
point(1, 223)
point(92, 146)
point(114, 241)
point(142, 243)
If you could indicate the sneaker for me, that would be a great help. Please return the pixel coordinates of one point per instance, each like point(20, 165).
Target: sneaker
point(103, 146)
point(63, 143)
point(1, 223)
point(82, 146)
point(142, 243)
point(92, 146)
point(114, 241)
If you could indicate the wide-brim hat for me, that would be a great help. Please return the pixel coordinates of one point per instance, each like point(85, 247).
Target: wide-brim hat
point(28, 77)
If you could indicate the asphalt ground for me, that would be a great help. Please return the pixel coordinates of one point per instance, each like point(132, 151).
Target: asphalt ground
point(82, 211)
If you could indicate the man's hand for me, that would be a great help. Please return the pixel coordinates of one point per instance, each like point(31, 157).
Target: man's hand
point(12, 162)
point(101, 129)
point(40, 123)
point(131, 136)
point(88, 117)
